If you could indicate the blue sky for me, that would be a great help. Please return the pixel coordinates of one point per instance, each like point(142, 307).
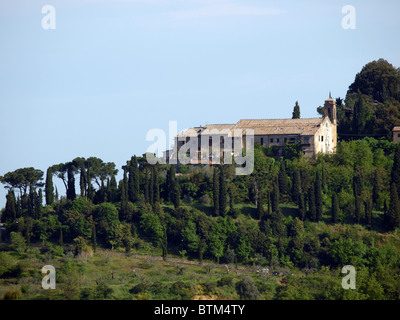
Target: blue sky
point(113, 70)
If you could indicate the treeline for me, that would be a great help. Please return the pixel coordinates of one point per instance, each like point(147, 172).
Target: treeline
point(208, 212)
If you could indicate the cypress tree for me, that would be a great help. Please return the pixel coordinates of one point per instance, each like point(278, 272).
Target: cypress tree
point(296, 111)
point(375, 188)
point(222, 192)
point(395, 176)
point(174, 189)
point(10, 213)
point(357, 203)
point(83, 180)
point(133, 182)
point(335, 208)
point(260, 205)
point(302, 206)
point(156, 185)
point(312, 210)
point(49, 188)
point(296, 187)
point(151, 186)
point(216, 192)
point(71, 194)
point(283, 179)
point(94, 239)
point(394, 208)
point(368, 211)
point(61, 238)
point(147, 186)
point(318, 196)
point(275, 196)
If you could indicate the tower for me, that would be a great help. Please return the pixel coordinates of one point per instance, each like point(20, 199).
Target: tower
point(330, 109)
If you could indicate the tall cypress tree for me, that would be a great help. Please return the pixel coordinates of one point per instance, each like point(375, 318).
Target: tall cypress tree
point(49, 188)
point(10, 213)
point(222, 191)
point(133, 183)
point(260, 205)
point(216, 192)
point(174, 189)
point(394, 208)
point(296, 187)
point(368, 210)
point(156, 185)
point(312, 210)
point(318, 196)
point(296, 111)
point(82, 180)
point(283, 179)
point(71, 194)
point(275, 196)
point(335, 208)
point(395, 176)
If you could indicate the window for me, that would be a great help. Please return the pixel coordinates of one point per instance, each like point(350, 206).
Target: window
point(322, 138)
point(398, 135)
point(285, 140)
point(277, 139)
point(272, 140)
point(210, 142)
point(262, 141)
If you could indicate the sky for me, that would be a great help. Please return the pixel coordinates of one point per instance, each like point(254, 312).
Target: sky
point(108, 71)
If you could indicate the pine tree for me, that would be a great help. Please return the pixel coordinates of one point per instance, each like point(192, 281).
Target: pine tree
point(49, 188)
point(222, 191)
point(296, 111)
point(335, 208)
point(216, 192)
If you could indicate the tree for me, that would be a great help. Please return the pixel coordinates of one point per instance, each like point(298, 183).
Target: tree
point(10, 214)
point(395, 176)
point(133, 182)
point(222, 191)
point(22, 179)
point(311, 204)
point(318, 196)
point(335, 208)
point(296, 186)
point(275, 196)
point(71, 194)
point(260, 205)
point(174, 189)
point(368, 210)
point(247, 290)
point(283, 179)
point(216, 190)
point(394, 208)
point(49, 188)
point(296, 111)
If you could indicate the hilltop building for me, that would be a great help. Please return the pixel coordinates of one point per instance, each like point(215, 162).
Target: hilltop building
point(313, 134)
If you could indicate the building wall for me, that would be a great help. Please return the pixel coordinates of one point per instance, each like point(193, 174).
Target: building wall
point(396, 136)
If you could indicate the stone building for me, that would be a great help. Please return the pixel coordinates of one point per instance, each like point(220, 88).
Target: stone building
point(212, 142)
point(396, 134)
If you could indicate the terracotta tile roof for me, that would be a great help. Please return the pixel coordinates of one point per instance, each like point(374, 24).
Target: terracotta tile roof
point(396, 128)
point(307, 126)
point(281, 126)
